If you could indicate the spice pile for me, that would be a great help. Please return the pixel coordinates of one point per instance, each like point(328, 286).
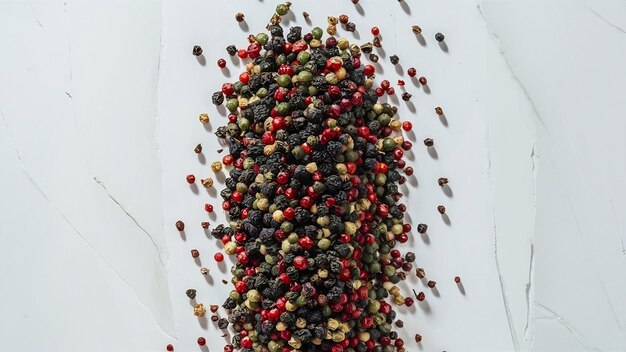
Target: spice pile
point(312, 195)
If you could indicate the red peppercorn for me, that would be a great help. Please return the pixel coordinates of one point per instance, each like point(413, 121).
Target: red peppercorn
point(385, 84)
point(201, 341)
point(409, 301)
point(401, 164)
point(242, 53)
point(401, 83)
point(407, 125)
point(208, 208)
point(399, 343)
point(457, 279)
point(229, 348)
point(191, 179)
point(169, 348)
point(227, 159)
point(407, 145)
point(300, 262)
point(379, 91)
point(369, 70)
point(221, 63)
point(219, 257)
point(180, 226)
point(423, 81)
point(195, 253)
point(421, 296)
point(411, 72)
point(398, 153)
point(244, 78)
point(241, 287)
point(246, 342)
point(408, 171)
point(391, 91)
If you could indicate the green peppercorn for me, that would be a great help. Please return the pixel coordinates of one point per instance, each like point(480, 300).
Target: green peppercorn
point(261, 38)
point(317, 33)
point(283, 81)
point(282, 9)
point(388, 144)
point(232, 105)
point(303, 57)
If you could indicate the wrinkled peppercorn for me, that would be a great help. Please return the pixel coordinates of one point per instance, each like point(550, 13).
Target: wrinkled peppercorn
point(239, 17)
point(191, 293)
point(429, 142)
point(180, 226)
point(197, 50)
point(406, 96)
point(394, 59)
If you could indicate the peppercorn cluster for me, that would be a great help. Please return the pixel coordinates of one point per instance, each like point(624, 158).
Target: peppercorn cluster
point(312, 198)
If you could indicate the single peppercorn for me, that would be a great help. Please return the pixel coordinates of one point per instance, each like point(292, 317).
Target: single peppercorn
point(219, 257)
point(375, 31)
point(208, 208)
point(418, 338)
point(201, 341)
point(394, 59)
point(408, 301)
point(416, 29)
point(422, 228)
point(222, 323)
point(221, 63)
point(216, 166)
point(441, 209)
point(406, 96)
point(411, 72)
point(431, 284)
point(420, 273)
point(355, 1)
point(198, 149)
point(343, 19)
point(204, 118)
point(350, 27)
point(374, 58)
point(457, 279)
point(376, 42)
point(190, 179)
point(213, 308)
point(429, 142)
point(195, 253)
point(197, 50)
point(231, 50)
point(180, 226)
point(439, 111)
point(207, 182)
point(442, 181)
point(191, 293)
point(214, 318)
point(399, 323)
point(305, 15)
point(169, 348)
point(408, 171)
point(439, 37)
point(409, 257)
point(423, 81)
point(239, 17)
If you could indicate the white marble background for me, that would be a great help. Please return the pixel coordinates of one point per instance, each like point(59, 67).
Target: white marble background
point(99, 103)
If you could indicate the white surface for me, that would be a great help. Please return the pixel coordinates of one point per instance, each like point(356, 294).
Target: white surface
point(99, 106)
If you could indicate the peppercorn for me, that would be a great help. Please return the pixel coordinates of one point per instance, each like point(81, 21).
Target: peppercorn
point(420, 273)
point(197, 50)
point(432, 284)
point(416, 29)
point(422, 228)
point(367, 48)
point(205, 224)
point(406, 96)
point(195, 253)
point(219, 257)
point(343, 19)
point(214, 318)
point(204, 118)
point(399, 323)
point(305, 15)
point(429, 142)
point(441, 209)
point(191, 293)
point(198, 149)
point(374, 58)
point(423, 81)
point(408, 171)
point(222, 323)
point(439, 111)
point(201, 341)
point(394, 59)
point(232, 50)
point(239, 17)
point(204, 271)
point(418, 338)
point(221, 63)
point(213, 308)
point(207, 182)
point(180, 226)
point(457, 279)
point(355, 1)
point(169, 348)
point(351, 27)
point(199, 310)
point(439, 37)
point(442, 181)
point(376, 42)
point(216, 166)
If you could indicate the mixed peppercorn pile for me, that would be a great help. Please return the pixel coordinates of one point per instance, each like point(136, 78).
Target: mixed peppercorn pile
point(312, 196)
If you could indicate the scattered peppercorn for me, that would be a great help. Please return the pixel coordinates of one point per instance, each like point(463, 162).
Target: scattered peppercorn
point(198, 149)
point(207, 182)
point(204, 271)
point(199, 310)
point(457, 279)
point(442, 181)
point(169, 348)
point(197, 50)
point(420, 273)
point(350, 27)
point(439, 111)
point(429, 142)
point(205, 224)
point(231, 50)
point(219, 257)
point(343, 19)
point(191, 293)
point(195, 253)
point(201, 341)
point(180, 226)
point(305, 15)
point(204, 118)
point(221, 63)
point(394, 59)
point(213, 308)
point(423, 81)
point(418, 338)
point(422, 228)
point(439, 37)
point(399, 323)
point(214, 318)
point(216, 166)
point(191, 179)
point(222, 323)
point(416, 29)
point(406, 96)
point(441, 209)
point(374, 58)
point(411, 72)
point(239, 17)
point(376, 42)
point(432, 284)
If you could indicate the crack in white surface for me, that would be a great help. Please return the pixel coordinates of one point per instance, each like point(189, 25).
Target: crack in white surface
point(529, 286)
point(617, 227)
point(131, 217)
point(604, 19)
point(74, 228)
point(569, 327)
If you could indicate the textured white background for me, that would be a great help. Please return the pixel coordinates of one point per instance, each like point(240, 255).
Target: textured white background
point(98, 121)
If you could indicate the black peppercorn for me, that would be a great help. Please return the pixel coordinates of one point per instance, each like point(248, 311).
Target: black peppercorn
point(239, 17)
point(394, 59)
point(374, 57)
point(399, 323)
point(406, 96)
point(432, 284)
point(350, 27)
point(422, 228)
point(197, 50)
point(439, 37)
point(191, 293)
point(442, 181)
point(429, 142)
point(441, 209)
point(222, 323)
point(232, 50)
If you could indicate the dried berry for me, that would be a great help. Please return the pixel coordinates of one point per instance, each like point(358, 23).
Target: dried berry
point(394, 59)
point(439, 111)
point(406, 96)
point(180, 226)
point(429, 142)
point(191, 293)
point(432, 284)
point(441, 209)
point(197, 50)
point(416, 29)
point(442, 181)
point(239, 17)
point(198, 149)
point(420, 273)
point(439, 37)
point(457, 279)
